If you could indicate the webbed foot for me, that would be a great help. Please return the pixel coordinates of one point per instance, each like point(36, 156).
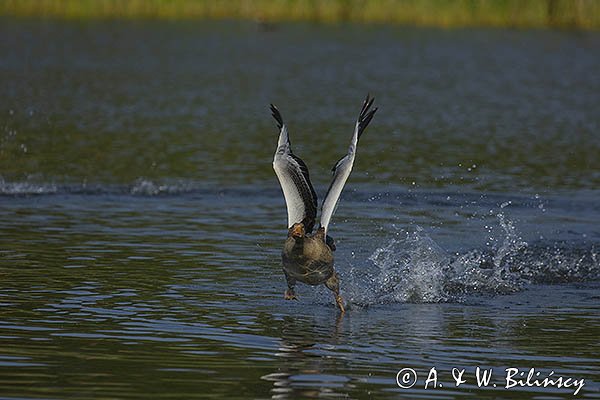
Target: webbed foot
point(290, 295)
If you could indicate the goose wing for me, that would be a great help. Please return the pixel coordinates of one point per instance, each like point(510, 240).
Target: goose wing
point(341, 169)
point(292, 172)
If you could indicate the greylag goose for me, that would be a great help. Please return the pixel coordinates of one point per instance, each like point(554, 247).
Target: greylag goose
point(308, 257)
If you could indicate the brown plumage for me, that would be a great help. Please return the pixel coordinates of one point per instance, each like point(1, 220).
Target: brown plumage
point(309, 259)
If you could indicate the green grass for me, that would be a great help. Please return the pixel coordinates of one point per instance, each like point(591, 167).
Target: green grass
point(581, 14)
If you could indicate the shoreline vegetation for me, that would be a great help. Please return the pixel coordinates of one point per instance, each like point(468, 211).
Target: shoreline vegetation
point(563, 14)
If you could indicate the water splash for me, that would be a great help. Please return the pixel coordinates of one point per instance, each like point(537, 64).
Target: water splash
point(26, 188)
point(148, 187)
point(140, 187)
point(488, 271)
point(412, 267)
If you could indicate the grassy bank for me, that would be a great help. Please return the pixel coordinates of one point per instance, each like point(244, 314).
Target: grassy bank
point(582, 14)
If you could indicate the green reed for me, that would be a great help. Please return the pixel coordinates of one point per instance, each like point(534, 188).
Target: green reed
point(582, 14)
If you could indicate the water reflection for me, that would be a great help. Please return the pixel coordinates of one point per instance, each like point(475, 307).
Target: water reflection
point(303, 368)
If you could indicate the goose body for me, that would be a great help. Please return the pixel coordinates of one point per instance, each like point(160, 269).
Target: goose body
point(308, 257)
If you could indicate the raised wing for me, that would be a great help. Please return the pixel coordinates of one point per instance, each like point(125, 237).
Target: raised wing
point(300, 197)
point(341, 170)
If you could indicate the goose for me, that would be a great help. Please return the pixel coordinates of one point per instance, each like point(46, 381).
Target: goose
point(307, 257)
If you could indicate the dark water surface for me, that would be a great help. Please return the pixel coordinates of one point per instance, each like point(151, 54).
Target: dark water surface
point(141, 222)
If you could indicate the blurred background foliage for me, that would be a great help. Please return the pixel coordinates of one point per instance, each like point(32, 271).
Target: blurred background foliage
point(569, 14)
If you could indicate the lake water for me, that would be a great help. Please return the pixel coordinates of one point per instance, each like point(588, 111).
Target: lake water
point(142, 223)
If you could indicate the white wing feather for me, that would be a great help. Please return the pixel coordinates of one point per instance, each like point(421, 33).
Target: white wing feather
point(292, 172)
point(341, 170)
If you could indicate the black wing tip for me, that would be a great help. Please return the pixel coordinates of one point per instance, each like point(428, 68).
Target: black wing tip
point(366, 115)
point(277, 115)
point(366, 105)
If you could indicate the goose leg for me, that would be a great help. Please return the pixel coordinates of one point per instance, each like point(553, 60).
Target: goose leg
point(289, 293)
point(333, 284)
